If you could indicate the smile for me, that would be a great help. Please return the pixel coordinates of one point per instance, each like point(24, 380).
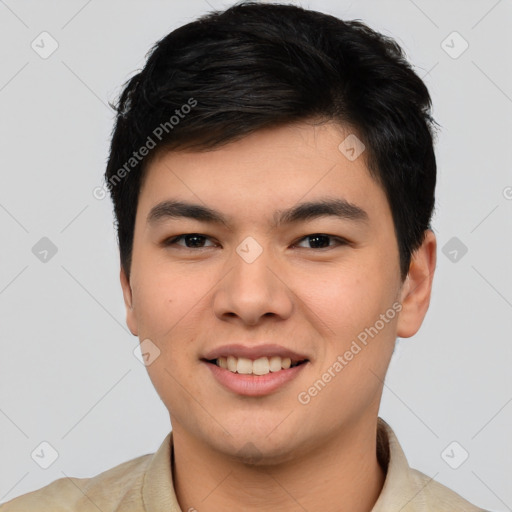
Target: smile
point(250, 383)
point(260, 366)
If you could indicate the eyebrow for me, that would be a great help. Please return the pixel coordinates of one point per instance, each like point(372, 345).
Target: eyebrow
point(337, 207)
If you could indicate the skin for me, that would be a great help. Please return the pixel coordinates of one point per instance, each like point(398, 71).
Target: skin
point(272, 452)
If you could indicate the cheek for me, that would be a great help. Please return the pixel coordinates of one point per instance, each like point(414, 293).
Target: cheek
point(345, 300)
point(168, 307)
point(165, 301)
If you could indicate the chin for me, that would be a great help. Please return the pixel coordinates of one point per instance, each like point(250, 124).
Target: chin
point(249, 454)
point(254, 448)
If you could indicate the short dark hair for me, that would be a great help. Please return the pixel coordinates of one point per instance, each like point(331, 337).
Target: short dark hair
point(253, 66)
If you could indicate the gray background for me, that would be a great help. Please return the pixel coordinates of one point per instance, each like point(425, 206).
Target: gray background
point(68, 373)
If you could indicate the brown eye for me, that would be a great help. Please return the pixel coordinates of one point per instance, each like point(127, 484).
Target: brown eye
point(191, 241)
point(321, 241)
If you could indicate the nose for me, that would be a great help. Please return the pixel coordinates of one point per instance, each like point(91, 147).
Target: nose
point(253, 290)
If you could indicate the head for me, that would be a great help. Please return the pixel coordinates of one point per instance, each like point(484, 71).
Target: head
point(251, 112)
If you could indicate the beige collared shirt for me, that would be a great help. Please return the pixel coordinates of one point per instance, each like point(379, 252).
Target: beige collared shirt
point(145, 484)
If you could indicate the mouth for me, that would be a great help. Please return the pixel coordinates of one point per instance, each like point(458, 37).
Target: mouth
point(255, 370)
point(255, 367)
point(255, 378)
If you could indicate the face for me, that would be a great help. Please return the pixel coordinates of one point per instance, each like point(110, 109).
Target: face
point(325, 285)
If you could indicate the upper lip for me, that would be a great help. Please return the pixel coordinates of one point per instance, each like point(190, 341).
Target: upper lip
point(254, 352)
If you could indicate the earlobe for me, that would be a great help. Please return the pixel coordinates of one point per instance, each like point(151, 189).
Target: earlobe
point(128, 302)
point(417, 287)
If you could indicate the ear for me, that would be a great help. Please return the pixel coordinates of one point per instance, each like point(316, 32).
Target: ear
point(417, 287)
point(131, 320)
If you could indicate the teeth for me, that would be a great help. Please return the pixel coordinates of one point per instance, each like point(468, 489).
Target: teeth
point(260, 366)
point(275, 363)
point(231, 363)
point(244, 366)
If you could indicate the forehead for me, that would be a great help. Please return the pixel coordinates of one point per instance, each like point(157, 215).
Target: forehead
point(264, 174)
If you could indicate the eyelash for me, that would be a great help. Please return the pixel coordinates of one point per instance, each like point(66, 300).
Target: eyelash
point(173, 241)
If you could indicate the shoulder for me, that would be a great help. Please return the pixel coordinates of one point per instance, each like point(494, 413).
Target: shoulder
point(408, 489)
point(105, 491)
point(436, 497)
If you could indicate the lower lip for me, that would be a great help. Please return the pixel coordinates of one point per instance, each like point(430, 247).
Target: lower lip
point(254, 385)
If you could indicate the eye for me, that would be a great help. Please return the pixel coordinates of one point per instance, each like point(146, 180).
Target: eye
point(197, 241)
point(321, 241)
point(192, 240)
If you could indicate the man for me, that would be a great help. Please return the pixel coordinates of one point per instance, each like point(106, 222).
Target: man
point(273, 176)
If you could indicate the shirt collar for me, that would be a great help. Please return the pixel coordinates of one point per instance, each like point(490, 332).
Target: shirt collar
point(157, 487)
point(399, 489)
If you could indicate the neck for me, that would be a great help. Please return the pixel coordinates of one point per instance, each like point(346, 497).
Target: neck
point(342, 474)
